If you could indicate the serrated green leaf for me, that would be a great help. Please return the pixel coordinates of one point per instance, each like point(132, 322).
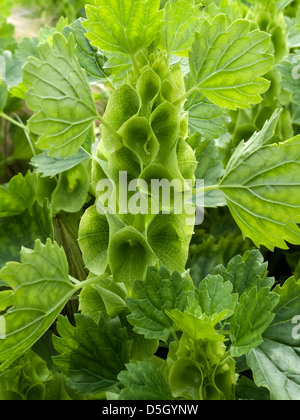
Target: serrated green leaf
point(12, 72)
point(181, 21)
point(90, 58)
point(205, 257)
point(23, 230)
point(115, 26)
point(261, 189)
point(276, 367)
point(60, 96)
point(144, 381)
point(246, 272)
point(196, 325)
point(160, 291)
point(49, 166)
point(275, 363)
point(253, 314)
point(207, 118)
point(41, 289)
point(18, 196)
point(215, 295)
point(227, 63)
point(91, 354)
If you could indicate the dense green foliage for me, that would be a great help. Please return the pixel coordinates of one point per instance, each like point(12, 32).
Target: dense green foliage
point(125, 306)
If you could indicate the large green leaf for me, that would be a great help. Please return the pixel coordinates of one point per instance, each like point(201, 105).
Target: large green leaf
point(181, 21)
point(253, 315)
point(126, 26)
point(59, 93)
point(276, 362)
point(158, 293)
point(262, 189)
point(40, 289)
point(91, 354)
point(227, 62)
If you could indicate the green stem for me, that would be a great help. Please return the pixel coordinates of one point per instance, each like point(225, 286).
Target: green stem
point(205, 189)
point(185, 96)
point(135, 64)
point(92, 280)
point(11, 120)
point(109, 127)
point(27, 136)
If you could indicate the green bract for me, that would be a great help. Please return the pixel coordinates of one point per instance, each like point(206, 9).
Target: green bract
point(147, 150)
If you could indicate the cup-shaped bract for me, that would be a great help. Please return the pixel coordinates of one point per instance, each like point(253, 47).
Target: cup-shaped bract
point(137, 134)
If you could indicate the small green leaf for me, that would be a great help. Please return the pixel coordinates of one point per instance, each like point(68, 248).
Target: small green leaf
point(23, 230)
point(227, 63)
point(41, 288)
point(91, 354)
point(215, 295)
point(253, 314)
point(89, 58)
point(196, 325)
point(247, 271)
point(18, 196)
point(59, 93)
point(144, 381)
point(158, 293)
point(115, 26)
point(49, 166)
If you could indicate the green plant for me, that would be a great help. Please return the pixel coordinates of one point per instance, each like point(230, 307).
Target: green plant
point(151, 310)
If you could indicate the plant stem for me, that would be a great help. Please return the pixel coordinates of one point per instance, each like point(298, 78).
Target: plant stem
point(185, 96)
point(135, 64)
point(11, 120)
point(92, 280)
point(205, 189)
point(109, 127)
point(27, 136)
